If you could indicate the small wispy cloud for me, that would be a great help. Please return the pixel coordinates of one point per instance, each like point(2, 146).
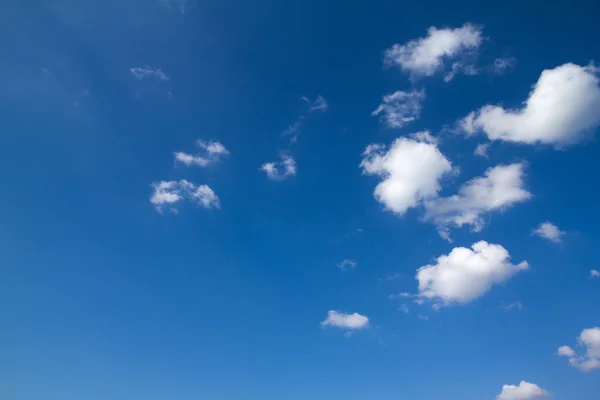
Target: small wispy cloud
point(346, 265)
point(212, 152)
point(392, 277)
point(423, 317)
point(595, 274)
point(280, 170)
point(517, 305)
point(404, 309)
point(403, 295)
point(145, 72)
point(320, 104)
point(482, 150)
point(502, 66)
point(400, 108)
point(166, 194)
point(347, 321)
point(547, 230)
point(179, 4)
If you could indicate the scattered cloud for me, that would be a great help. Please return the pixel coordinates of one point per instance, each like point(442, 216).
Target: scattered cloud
point(404, 295)
point(293, 130)
point(168, 193)
point(500, 188)
point(320, 104)
point(482, 150)
point(410, 172)
point(400, 107)
point(346, 321)
point(461, 67)
point(424, 136)
point(547, 230)
point(466, 274)
point(347, 265)
point(590, 340)
point(404, 309)
point(525, 391)
point(280, 170)
point(425, 56)
point(146, 72)
point(212, 152)
point(392, 277)
point(594, 274)
point(423, 317)
point(514, 305)
point(502, 66)
point(562, 109)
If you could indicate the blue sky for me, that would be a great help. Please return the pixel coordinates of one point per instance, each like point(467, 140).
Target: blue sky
point(267, 200)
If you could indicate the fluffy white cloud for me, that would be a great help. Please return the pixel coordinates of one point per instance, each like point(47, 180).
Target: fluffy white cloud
point(561, 110)
point(212, 152)
point(500, 188)
point(347, 264)
point(525, 391)
point(424, 136)
point(167, 193)
point(466, 274)
point(590, 340)
point(425, 56)
point(400, 107)
point(547, 230)
point(347, 321)
point(482, 150)
point(280, 170)
point(594, 274)
point(410, 171)
point(146, 72)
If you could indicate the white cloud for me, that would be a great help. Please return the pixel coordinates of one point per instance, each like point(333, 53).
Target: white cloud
point(346, 265)
point(482, 150)
point(280, 170)
point(410, 171)
point(565, 351)
point(319, 105)
point(594, 274)
point(400, 107)
point(500, 188)
point(423, 317)
point(561, 110)
point(525, 391)
point(465, 274)
point(146, 72)
point(212, 152)
point(167, 193)
point(590, 340)
point(347, 321)
point(547, 230)
point(503, 65)
point(460, 67)
point(509, 306)
point(404, 309)
point(405, 295)
point(424, 136)
point(425, 56)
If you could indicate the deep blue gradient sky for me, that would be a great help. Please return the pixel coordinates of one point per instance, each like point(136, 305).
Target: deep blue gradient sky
point(103, 297)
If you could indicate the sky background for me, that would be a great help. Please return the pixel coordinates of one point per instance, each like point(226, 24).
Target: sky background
point(101, 296)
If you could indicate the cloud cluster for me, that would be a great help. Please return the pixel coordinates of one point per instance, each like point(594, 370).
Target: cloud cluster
point(346, 265)
point(561, 110)
point(347, 321)
point(410, 172)
point(499, 188)
point(466, 274)
point(525, 391)
point(399, 108)
point(211, 153)
point(589, 339)
point(146, 72)
point(547, 230)
point(167, 193)
point(425, 56)
point(280, 170)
